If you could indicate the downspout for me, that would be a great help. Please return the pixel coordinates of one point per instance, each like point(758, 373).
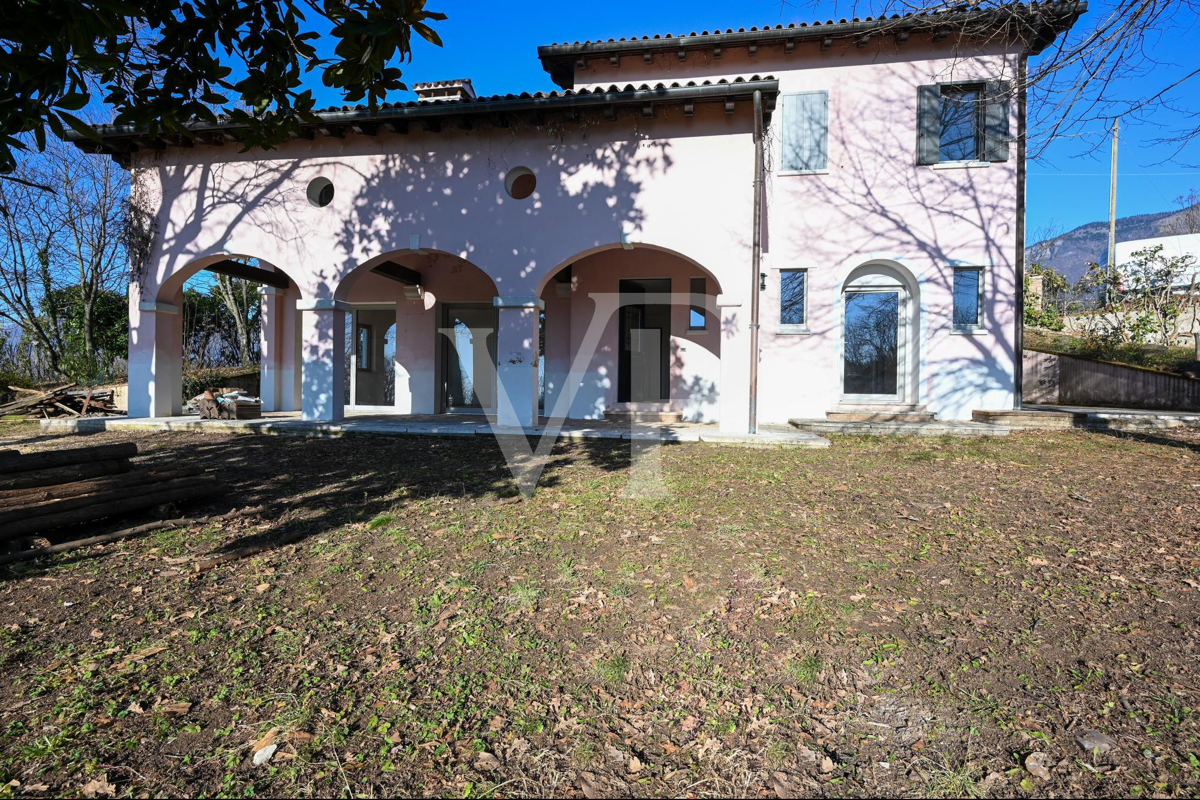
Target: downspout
point(756, 258)
point(1019, 338)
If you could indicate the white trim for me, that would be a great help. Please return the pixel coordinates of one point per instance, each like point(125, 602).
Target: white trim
point(961, 164)
point(322, 304)
point(727, 301)
point(519, 302)
point(793, 330)
point(152, 307)
point(794, 172)
point(792, 327)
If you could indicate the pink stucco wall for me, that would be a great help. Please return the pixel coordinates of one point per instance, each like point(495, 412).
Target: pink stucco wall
point(677, 188)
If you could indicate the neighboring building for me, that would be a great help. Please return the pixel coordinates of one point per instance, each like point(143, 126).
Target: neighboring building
point(883, 254)
point(1187, 244)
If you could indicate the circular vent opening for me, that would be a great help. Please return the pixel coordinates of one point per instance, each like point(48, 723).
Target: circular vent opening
point(520, 183)
point(320, 192)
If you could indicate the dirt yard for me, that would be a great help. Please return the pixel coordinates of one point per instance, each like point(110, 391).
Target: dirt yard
point(885, 617)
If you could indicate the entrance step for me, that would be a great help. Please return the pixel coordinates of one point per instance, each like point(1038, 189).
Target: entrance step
point(895, 412)
point(644, 412)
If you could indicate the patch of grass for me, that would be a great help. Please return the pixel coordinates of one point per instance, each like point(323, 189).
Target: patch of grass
point(954, 782)
point(525, 595)
point(804, 671)
point(381, 521)
point(613, 669)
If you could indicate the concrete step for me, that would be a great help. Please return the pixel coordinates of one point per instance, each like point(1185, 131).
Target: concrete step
point(932, 428)
point(895, 412)
point(1042, 420)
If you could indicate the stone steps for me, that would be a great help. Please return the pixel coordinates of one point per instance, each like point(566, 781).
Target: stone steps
point(897, 412)
point(661, 413)
point(886, 428)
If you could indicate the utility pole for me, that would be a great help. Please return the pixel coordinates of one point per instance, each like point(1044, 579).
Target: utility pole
point(1112, 200)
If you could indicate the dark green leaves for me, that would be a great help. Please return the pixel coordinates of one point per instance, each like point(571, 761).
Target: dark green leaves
point(160, 64)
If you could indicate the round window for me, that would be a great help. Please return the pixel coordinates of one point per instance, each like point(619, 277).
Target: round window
point(320, 192)
point(520, 183)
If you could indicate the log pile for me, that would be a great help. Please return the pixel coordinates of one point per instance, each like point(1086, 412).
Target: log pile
point(57, 491)
point(64, 401)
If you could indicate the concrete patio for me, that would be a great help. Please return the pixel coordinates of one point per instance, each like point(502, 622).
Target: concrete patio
point(355, 423)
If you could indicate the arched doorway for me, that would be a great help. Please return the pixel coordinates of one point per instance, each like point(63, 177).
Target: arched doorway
point(158, 355)
point(420, 335)
point(632, 329)
point(880, 335)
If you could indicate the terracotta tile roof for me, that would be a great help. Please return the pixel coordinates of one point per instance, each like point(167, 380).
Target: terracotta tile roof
point(1039, 23)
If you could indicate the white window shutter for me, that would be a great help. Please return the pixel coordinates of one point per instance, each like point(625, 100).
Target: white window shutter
point(805, 132)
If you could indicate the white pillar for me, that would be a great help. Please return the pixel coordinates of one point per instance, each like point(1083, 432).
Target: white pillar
point(734, 330)
point(517, 357)
point(155, 359)
point(271, 346)
point(324, 359)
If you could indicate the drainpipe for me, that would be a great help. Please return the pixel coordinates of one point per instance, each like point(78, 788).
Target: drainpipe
point(1019, 337)
point(756, 258)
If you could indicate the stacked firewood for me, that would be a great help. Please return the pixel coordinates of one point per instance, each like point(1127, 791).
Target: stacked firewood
point(58, 491)
point(65, 401)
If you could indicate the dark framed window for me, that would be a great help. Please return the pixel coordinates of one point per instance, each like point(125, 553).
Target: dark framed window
point(968, 298)
point(793, 297)
point(697, 318)
point(962, 123)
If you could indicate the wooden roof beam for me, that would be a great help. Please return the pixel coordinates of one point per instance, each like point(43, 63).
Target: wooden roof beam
point(236, 269)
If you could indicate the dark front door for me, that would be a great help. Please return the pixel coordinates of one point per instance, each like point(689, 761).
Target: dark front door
point(644, 357)
point(872, 346)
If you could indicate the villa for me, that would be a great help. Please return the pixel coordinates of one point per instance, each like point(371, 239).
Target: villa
point(738, 226)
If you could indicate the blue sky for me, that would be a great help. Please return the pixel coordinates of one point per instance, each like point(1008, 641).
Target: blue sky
point(495, 44)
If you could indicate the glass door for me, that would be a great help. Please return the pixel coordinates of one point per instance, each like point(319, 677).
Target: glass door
point(871, 352)
point(469, 382)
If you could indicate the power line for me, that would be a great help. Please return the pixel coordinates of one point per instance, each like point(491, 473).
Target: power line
point(1106, 174)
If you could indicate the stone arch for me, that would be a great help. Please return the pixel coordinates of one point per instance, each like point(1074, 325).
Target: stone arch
point(418, 367)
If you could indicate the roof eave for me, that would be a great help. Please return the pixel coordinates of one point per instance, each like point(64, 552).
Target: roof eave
point(120, 141)
point(560, 59)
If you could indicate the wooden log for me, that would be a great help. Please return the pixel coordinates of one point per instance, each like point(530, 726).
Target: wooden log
point(128, 533)
point(10, 516)
point(4, 453)
point(59, 458)
point(53, 476)
point(246, 552)
point(27, 497)
point(143, 500)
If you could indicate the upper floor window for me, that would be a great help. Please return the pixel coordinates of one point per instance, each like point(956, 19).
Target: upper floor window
point(805, 132)
point(962, 122)
point(968, 298)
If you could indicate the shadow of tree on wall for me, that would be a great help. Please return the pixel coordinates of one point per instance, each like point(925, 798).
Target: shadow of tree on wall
point(889, 207)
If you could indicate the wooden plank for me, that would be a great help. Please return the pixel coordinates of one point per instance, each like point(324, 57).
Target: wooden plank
point(71, 472)
point(60, 458)
point(127, 533)
point(30, 402)
point(397, 272)
point(246, 272)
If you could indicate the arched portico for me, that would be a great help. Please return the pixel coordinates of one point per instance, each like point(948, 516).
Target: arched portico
point(390, 310)
point(640, 327)
point(156, 335)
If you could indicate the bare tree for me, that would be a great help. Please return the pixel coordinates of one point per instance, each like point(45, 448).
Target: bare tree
point(241, 300)
point(1084, 79)
point(66, 239)
point(1188, 219)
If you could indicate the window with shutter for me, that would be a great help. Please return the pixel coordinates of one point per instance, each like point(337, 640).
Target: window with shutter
point(963, 122)
point(805, 128)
